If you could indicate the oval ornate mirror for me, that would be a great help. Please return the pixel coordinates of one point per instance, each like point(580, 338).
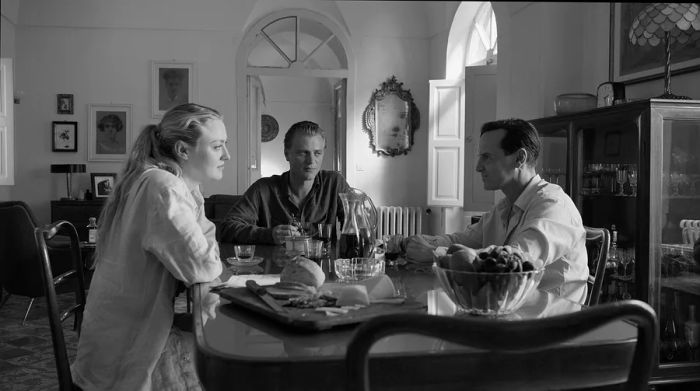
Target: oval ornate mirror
point(390, 119)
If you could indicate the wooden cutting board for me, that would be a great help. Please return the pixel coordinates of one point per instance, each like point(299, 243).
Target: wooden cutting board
point(310, 319)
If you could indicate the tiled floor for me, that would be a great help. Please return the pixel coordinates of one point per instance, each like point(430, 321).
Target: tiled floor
point(26, 352)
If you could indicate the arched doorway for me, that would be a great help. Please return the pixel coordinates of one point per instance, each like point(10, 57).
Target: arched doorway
point(292, 65)
point(464, 100)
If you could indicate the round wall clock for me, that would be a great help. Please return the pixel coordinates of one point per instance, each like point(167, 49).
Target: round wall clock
point(270, 128)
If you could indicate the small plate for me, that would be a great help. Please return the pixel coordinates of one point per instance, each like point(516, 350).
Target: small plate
point(244, 262)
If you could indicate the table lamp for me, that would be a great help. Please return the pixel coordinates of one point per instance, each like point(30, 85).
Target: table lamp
point(68, 169)
point(667, 23)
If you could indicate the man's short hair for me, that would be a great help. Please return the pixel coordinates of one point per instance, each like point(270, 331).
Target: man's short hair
point(306, 128)
point(519, 134)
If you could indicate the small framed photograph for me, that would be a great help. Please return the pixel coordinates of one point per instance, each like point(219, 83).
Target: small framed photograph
point(172, 83)
point(64, 136)
point(64, 103)
point(109, 132)
point(102, 184)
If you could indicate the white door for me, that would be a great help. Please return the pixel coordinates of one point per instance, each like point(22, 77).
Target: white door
point(7, 156)
point(255, 106)
point(480, 107)
point(340, 122)
point(446, 143)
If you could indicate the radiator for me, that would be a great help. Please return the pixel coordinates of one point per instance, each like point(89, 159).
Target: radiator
point(404, 220)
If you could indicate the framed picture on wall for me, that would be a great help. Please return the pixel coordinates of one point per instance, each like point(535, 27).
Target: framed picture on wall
point(109, 132)
point(634, 63)
point(64, 103)
point(172, 83)
point(102, 184)
point(64, 136)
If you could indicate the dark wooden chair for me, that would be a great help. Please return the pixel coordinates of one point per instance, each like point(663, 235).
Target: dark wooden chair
point(516, 338)
point(42, 235)
point(19, 258)
point(598, 247)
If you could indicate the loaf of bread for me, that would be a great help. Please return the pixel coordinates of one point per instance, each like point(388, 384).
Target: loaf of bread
point(303, 271)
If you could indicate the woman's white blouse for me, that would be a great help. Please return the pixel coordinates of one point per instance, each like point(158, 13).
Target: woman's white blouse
point(159, 236)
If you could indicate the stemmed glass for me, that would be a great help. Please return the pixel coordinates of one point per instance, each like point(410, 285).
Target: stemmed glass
point(632, 178)
point(625, 260)
point(324, 234)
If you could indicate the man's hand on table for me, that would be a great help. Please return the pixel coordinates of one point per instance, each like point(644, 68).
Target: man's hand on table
point(420, 248)
point(282, 231)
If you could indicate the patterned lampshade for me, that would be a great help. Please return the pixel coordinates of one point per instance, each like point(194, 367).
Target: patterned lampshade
point(670, 23)
point(679, 20)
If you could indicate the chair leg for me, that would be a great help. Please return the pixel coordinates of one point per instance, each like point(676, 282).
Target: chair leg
point(29, 307)
point(188, 295)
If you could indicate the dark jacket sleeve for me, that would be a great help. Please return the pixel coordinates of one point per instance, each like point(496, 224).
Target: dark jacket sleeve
point(240, 224)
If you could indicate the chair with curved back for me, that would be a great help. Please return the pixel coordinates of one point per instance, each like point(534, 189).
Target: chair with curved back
point(516, 339)
point(598, 247)
point(19, 258)
point(43, 235)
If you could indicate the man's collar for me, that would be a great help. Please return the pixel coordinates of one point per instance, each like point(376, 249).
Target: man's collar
point(525, 196)
point(285, 187)
point(529, 192)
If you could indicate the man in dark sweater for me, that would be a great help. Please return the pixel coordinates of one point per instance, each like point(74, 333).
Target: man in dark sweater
point(272, 207)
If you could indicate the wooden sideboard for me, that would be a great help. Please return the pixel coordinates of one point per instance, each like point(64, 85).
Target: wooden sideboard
point(77, 212)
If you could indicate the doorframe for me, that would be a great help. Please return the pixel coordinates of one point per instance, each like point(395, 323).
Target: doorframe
point(243, 71)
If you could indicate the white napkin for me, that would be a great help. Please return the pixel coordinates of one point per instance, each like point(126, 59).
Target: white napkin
point(238, 281)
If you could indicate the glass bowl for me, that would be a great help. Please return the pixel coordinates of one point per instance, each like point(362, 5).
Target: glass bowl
point(358, 269)
point(487, 293)
point(574, 103)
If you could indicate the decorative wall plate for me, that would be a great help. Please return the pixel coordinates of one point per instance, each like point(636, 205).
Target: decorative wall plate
point(270, 128)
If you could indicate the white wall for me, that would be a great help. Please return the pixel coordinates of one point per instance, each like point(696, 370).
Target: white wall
point(546, 49)
point(389, 40)
point(100, 51)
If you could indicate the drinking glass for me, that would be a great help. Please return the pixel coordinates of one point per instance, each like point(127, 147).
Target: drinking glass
point(314, 250)
point(624, 260)
point(632, 177)
point(244, 251)
point(324, 232)
point(392, 249)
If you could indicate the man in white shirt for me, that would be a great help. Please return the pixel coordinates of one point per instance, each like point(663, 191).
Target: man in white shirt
point(536, 216)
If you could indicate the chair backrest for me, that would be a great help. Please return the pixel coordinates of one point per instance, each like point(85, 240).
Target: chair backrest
point(19, 266)
point(598, 247)
point(42, 235)
point(19, 272)
point(216, 206)
point(518, 337)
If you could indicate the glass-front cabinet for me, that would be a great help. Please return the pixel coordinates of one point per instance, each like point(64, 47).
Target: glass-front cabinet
point(634, 169)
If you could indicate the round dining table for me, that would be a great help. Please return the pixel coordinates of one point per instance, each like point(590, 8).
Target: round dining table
point(240, 349)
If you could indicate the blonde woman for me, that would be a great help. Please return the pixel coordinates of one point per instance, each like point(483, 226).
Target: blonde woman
point(153, 233)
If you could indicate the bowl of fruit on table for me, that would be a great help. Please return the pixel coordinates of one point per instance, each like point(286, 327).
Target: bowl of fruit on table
point(492, 281)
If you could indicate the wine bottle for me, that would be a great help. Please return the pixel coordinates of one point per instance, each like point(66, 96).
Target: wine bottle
point(692, 334)
point(611, 264)
point(671, 343)
point(92, 230)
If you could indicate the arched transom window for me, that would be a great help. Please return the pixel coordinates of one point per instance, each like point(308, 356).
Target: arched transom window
point(482, 41)
point(297, 42)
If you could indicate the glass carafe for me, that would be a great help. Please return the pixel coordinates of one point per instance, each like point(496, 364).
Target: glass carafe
point(357, 236)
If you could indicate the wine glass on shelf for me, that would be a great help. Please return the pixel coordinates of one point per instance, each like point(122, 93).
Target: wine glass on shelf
point(624, 260)
point(632, 178)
